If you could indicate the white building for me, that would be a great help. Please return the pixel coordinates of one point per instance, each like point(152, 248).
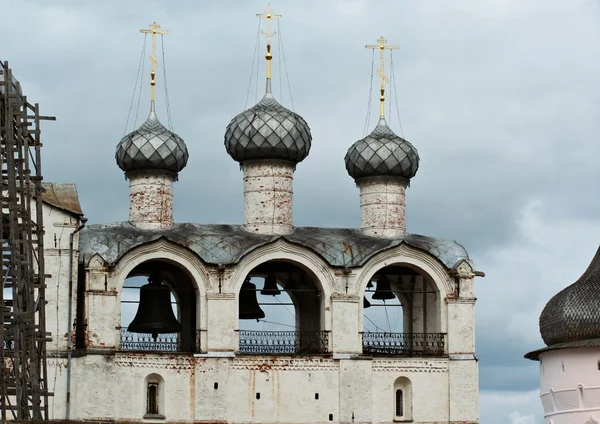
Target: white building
point(331, 367)
point(570, 364)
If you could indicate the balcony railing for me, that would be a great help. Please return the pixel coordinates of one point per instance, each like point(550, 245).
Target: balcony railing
point(164, 343)
point(403, 344)
point(284, 342)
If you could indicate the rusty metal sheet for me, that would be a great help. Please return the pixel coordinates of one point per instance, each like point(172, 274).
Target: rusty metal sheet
point(63, 196)
point(227, 244)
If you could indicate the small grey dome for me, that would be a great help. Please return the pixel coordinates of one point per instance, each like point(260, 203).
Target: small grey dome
point(382, 153)
point(152, 147)
point(268, 131)
point(574, 313)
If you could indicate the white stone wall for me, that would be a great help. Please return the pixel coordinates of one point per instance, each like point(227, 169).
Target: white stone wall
point(268, 194)
point(151, 199)
point(351, 386)
point(569, 386)
point(263, 389)
point(58, 226)
point(382, 206)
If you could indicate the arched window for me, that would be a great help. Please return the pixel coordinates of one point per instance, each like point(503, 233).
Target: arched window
point(403, 399)
point(280, 311)
point(182, 299)
point(401, 310)
point(155, 393)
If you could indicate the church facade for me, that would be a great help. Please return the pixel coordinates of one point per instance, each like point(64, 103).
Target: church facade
point(198, 362)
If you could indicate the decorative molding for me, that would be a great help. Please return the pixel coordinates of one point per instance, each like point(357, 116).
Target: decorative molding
point(167, 362)
point(345, 298)
point(220, 296)
point(407, 255)
point(410, 365)
point(96, 263)
point(281, 364)
point(164, 250)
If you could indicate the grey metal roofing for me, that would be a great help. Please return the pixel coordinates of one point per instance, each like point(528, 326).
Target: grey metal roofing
point(227, 244)
point(152, 147)
point(382, 153)
point(573, 314)
point(63, 196)
point(535, 355)
point(268, 131)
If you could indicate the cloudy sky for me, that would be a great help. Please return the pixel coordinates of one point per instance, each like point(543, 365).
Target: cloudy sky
point(500, 97)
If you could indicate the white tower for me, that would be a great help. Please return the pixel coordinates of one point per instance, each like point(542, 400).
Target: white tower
point(569, 365)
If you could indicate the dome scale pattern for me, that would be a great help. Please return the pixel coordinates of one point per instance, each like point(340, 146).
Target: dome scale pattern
point(268, 131)
point(382, 153)
point(152, 147)
point(574, 313)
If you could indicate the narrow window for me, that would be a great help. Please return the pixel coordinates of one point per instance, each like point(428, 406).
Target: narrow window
point(399, 403)
point(152, 399)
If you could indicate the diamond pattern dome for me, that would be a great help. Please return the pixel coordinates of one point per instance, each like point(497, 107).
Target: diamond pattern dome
point(152, 146)
point(382, 153)
point(574, 313)
point(268, 131)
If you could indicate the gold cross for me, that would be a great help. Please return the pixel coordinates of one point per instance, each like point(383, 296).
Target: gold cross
point(268, 16)
point(381, 71)
point(154, 30)
point(268, 34)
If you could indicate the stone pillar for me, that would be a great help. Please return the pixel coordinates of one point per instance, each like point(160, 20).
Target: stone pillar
point(151, 199)
point(382, 206)
point(268, 193)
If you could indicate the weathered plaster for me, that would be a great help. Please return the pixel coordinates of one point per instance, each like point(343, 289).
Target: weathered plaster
point(151, 199)
point(382, 206)
point(268, 195)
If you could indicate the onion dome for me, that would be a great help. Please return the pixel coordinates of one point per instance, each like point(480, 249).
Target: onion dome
point(152, 147)
point(382, 153)
point(574, 313)
point(268, 131)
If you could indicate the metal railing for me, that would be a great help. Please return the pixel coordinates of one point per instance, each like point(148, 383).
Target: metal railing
point(164, 343)
point(404, 344)
point(284, 342)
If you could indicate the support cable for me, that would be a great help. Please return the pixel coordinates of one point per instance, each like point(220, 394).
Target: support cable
point(254, 56)
point(393, 78)
point(137, 77)
point(169, 119)
point(375, 325)
point(276, 323)
point(140, 87)
point(368, 117)
point(287, 77)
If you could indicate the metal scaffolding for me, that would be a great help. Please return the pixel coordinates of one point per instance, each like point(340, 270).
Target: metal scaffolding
point(23, 374)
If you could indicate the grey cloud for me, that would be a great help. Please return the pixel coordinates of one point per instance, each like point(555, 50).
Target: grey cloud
point(499, 98)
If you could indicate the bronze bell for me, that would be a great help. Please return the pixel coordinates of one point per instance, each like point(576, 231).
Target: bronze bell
point(366, 303)
point(155, 313)
point(270, 287)
point(383, 290)
point(249, 307)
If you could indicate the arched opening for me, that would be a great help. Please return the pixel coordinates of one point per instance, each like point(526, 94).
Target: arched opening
point(402, 399)
point(164, 318)
point(154, 390)
point(401, 313)
point(280, 311)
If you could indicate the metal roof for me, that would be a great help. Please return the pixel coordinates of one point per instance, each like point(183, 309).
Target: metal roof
point(535, 355)
point(63, 196)
point(268, 131)
point(574, 313)
point(152, 146)
point(382, 153)
point(227, 244)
